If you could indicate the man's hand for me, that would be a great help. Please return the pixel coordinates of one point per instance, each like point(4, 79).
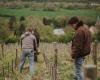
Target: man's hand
point(73, 56)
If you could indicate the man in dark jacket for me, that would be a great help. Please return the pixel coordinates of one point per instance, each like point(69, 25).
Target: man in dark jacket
point(36, 34)
point(80, 45)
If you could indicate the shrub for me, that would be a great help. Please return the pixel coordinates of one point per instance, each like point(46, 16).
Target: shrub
point(48, 36)
point(37, 6)
point(47, 21)
point(60, 21)
point(88, 6)
point(15, 5)
point(98, 8)
point(4, 31)
point(12, 22)
point(50, 8)
point(68, 36)
point(22, 18)
point(98, 36)
point(71, 7)
point(26, 5)
point(88, 20)
point(48, 39)
point(77, 6)
point(21, 29)
point(11, 39)
point(90, 23)
point(5, 15)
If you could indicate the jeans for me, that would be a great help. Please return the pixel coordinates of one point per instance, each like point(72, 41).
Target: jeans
point(78, 68)
point(27, 53)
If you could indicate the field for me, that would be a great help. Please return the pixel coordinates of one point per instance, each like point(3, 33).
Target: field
point(29, 12)
point(43, 69)
point(52, 63)
point(57, 19)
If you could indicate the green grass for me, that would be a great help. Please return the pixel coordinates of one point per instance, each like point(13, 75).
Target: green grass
point(29, 12)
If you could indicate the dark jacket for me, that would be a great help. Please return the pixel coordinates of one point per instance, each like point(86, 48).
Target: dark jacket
point(37, 37)
point(81, 43)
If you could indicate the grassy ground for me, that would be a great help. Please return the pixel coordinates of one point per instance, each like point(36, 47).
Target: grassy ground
point(65, 66)
point(29, 12)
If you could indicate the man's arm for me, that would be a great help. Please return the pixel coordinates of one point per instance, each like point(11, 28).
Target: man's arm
point(22, 37)
point(21, 43)
point(35, 44)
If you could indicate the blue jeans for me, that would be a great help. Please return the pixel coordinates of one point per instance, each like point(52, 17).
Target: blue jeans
point(78, 68)
point(27, 53)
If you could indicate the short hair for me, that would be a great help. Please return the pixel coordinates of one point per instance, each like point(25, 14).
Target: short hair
point(73, 20)
point(29, 29)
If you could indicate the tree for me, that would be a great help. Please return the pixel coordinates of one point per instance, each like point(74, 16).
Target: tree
point(22, 25)
point(4, 32)
point(11, 23)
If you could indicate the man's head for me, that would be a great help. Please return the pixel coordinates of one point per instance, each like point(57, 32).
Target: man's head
point(75, 22)
point(29, 30)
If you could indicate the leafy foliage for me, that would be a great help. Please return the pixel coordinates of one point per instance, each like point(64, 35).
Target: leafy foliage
point(60, 21)
point(12, 22)
point(4, 31)
point(47, 21)
point(11, 39)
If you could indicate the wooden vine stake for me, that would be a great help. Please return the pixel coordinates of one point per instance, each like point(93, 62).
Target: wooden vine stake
point(55, 61)
point(90, 72)
point(95, 52)
point(2, 47)
point(16, 59)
